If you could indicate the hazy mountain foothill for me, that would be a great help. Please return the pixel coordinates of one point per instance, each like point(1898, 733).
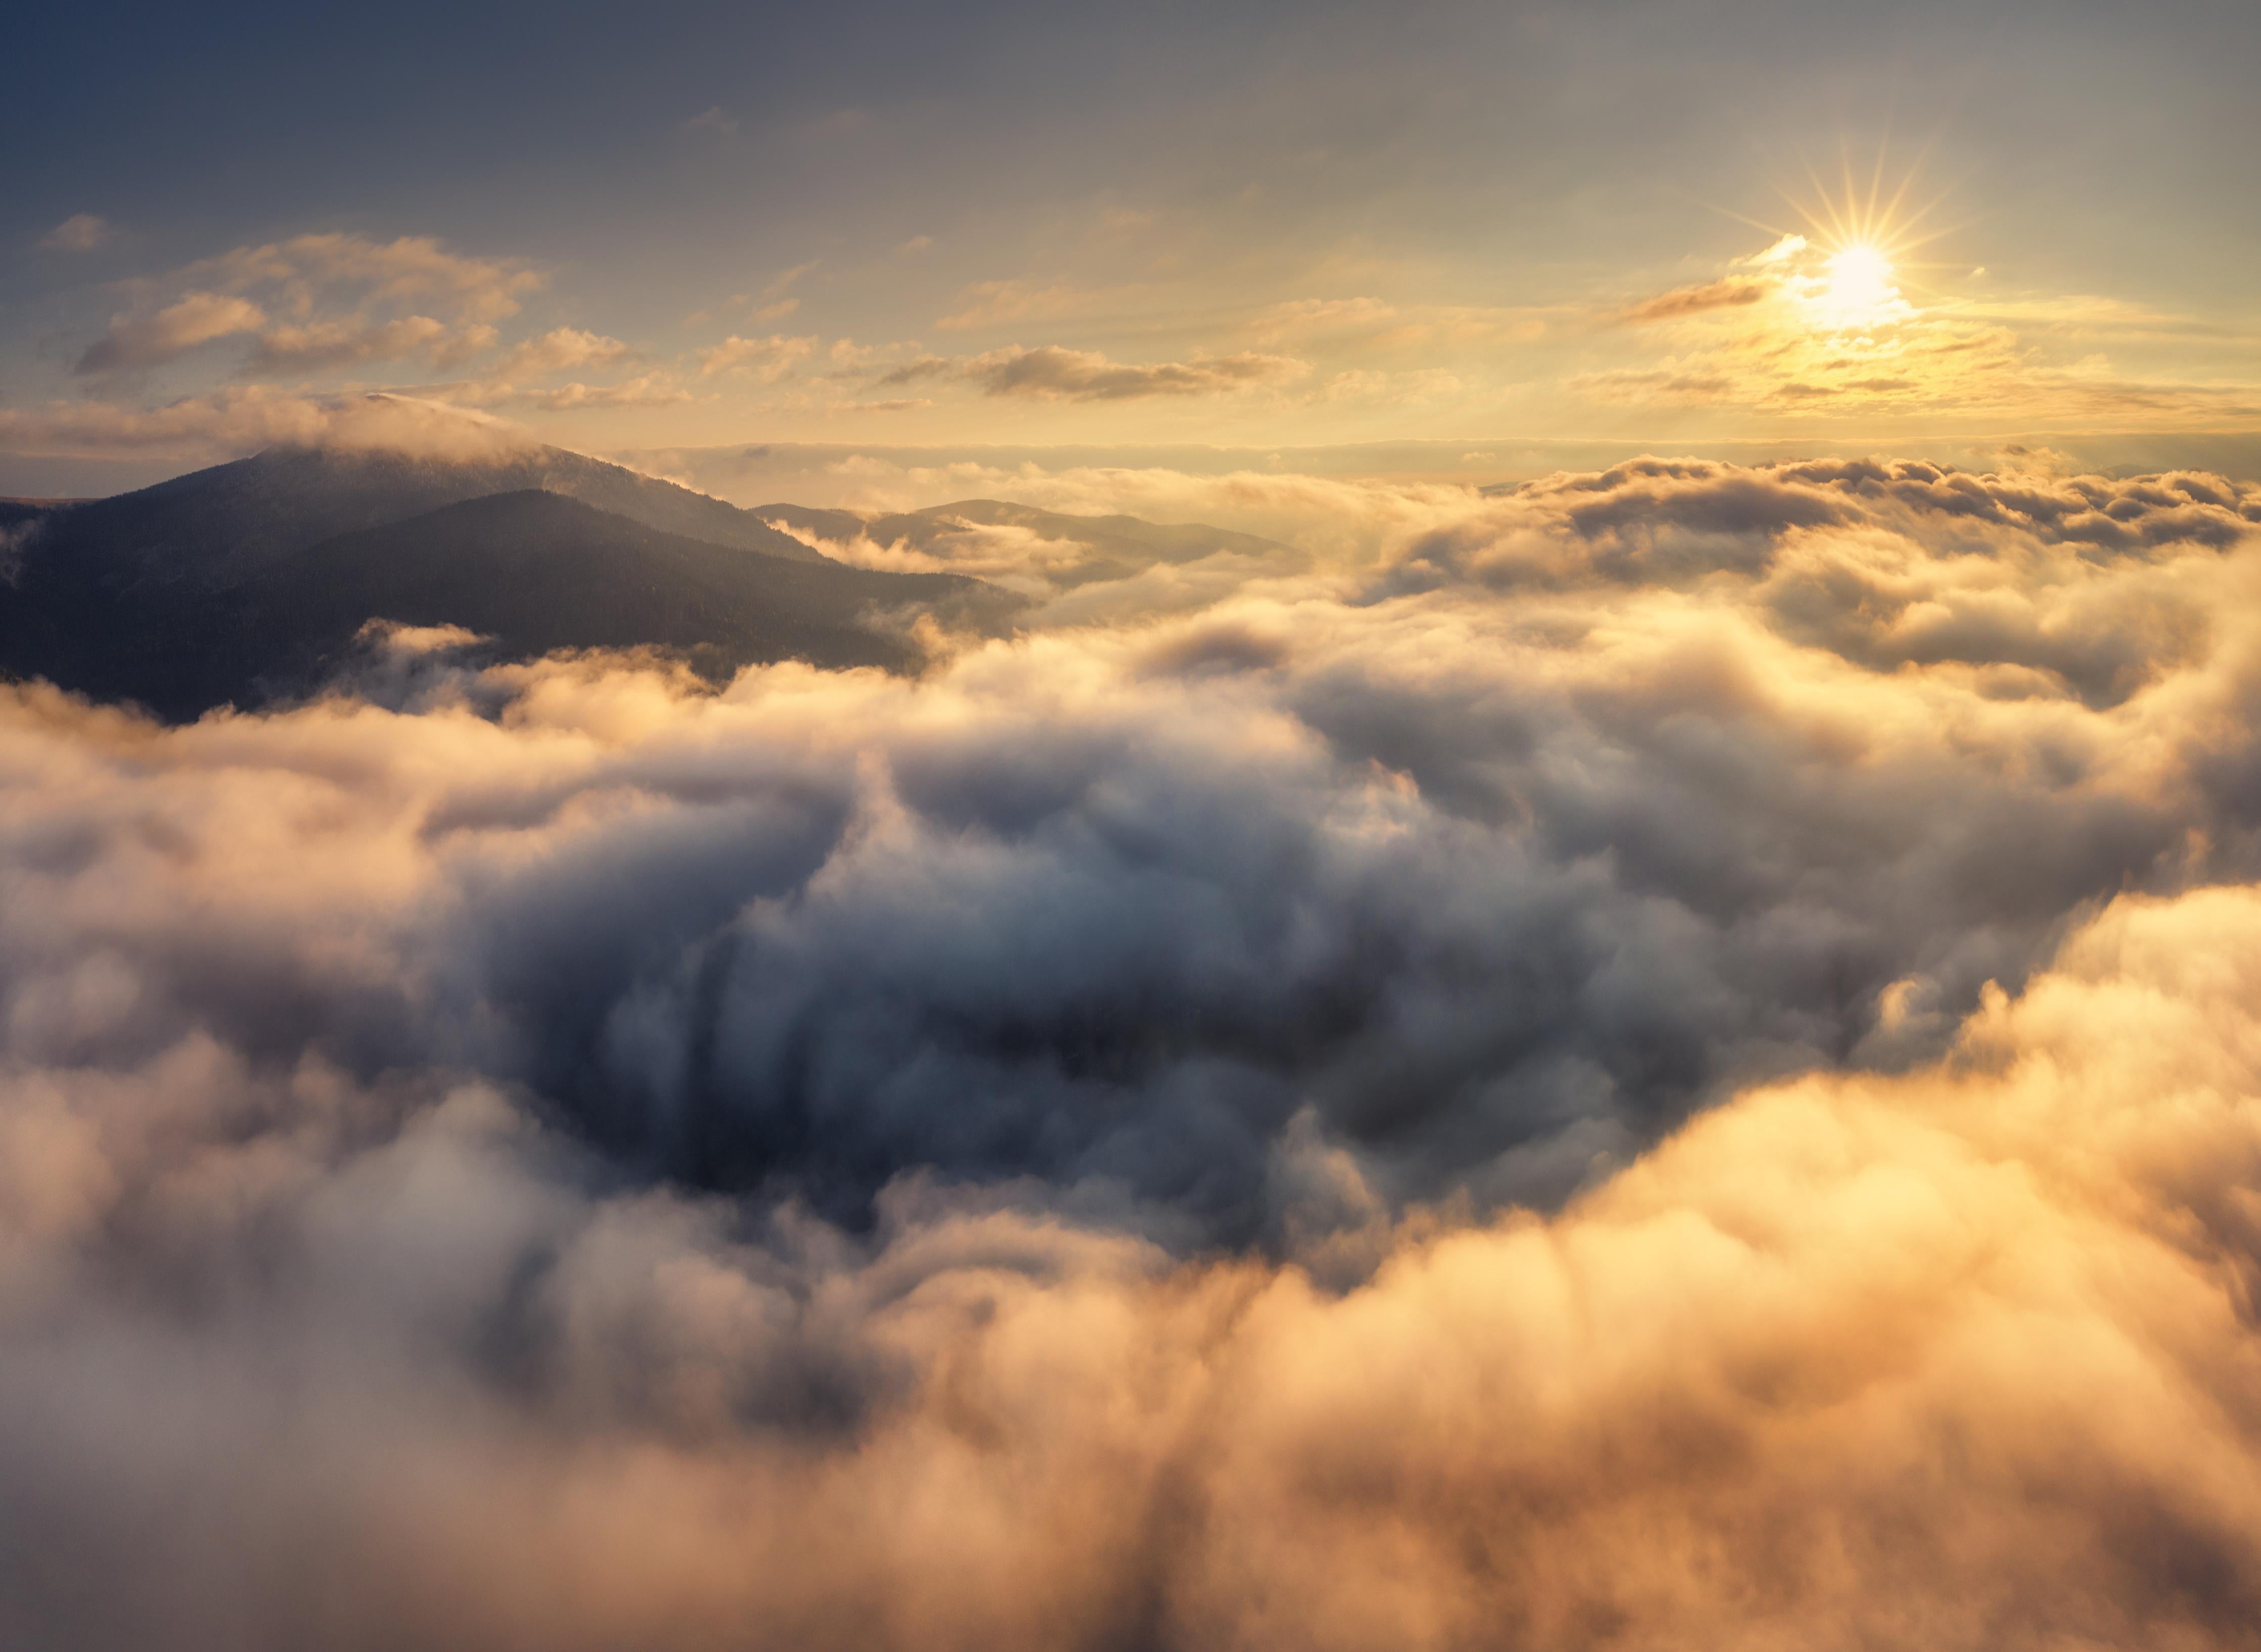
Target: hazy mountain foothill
point(1110, 547)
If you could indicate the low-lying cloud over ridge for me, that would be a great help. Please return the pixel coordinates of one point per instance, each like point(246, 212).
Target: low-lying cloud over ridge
point(1046, 1154)
point(250, 418)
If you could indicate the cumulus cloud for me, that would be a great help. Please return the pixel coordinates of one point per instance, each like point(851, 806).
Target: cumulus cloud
point(559, 350)
point(1781, 250)
point(1669, 1059)
point(81, 232)
point(308, 271)
point(319, 303)
point(516, 380)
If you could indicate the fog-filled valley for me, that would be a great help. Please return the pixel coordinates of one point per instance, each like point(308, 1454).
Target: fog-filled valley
point(1658, 1056)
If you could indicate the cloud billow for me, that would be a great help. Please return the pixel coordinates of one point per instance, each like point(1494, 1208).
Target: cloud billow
point(1177, 1130)
point(317, 304)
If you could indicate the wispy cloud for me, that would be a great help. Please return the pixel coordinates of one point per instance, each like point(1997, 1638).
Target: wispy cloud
point(1050, 372)
point(82, 232)
point(324, 346)
point(136, 342)
point(653, 389)
point(1726, 293)
point(767, 359)
point(995, 303)
point(713, 122)
point(778, 300)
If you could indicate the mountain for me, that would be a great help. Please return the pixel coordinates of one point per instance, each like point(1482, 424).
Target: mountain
point(253, 617)
point(215, 527)
point(1113, 547)
point(538, 573)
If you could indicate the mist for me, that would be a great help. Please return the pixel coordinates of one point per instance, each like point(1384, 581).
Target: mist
point(1664, 1055)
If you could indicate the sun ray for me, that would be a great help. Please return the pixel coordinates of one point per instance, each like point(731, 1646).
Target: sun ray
point(1863, 223)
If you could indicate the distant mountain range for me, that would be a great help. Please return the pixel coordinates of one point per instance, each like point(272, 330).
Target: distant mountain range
point(248, 582)
point(1111, 547)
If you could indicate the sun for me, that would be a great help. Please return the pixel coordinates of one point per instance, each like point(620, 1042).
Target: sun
point(1860, 237)
point(1857, 284)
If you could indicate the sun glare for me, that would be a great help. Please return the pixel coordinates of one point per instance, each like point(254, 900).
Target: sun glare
point(1864, 232)
point(1858, 285)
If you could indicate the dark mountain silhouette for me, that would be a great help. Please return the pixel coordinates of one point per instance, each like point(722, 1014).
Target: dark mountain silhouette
point(255, 618)
point(1116, 547)
point(217, 526)
point(539, 572)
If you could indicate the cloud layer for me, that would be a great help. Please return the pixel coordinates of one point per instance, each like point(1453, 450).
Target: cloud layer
point(1670, 1061)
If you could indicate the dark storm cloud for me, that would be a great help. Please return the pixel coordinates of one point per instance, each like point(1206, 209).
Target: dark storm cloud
point(550, 1154)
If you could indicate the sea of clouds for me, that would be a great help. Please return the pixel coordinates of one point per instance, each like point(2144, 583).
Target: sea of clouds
point(1669, 1058)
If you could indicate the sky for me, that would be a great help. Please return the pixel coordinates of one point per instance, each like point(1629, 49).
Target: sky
point(1630, 1017)
point(1249, 228)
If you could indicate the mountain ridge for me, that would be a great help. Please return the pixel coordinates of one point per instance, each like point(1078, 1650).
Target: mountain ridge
point(213, 527)
point(257, 617)
point(535, 573)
